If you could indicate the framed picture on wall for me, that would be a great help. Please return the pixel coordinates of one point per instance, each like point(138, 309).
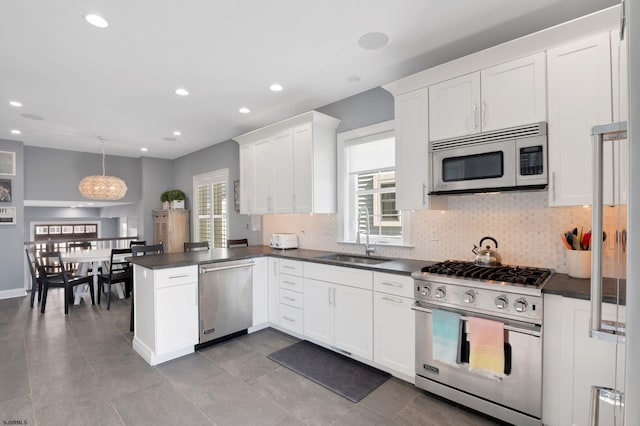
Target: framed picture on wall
point(7, 163)
point(7, 215)
point(5, 190)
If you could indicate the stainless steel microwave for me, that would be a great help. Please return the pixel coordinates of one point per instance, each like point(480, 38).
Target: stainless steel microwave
point(506, 160)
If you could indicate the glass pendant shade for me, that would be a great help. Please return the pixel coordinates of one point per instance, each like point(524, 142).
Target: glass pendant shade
point(102, 187)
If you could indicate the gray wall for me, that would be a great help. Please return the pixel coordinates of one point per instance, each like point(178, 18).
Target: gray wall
point(11, 246)
point(157, 177)
point(225, 155)
point(366, 108)
point(68, 168)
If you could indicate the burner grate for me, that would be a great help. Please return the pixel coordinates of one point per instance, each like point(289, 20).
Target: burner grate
point(508, 274)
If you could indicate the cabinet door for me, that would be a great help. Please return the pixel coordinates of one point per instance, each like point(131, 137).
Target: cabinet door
point(353, 309)
point(394, 333)
point(303, 169)
point(454, 107)
point(318, 311)
point(274, 290)
point(247, 183)
point(260, 291)
point(176, 317)
point(412, 164)
point(263, 177)
point(579, 77)
point(514, 93)
point(282, 186)
point(620, 86)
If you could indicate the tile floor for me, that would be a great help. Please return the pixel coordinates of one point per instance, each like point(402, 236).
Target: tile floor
point(81, 370)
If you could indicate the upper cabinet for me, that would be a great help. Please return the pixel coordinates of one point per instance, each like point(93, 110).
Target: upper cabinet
point(502, 96)
point(290, 166)
point(579, 76)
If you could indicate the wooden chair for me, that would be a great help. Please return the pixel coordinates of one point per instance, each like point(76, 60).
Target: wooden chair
point(242, 242)
point(142, 251)
point(196, 246)
point(84, 245)
point(137, 243)
point(36, 282)
point(63, 280)
point(119, 272)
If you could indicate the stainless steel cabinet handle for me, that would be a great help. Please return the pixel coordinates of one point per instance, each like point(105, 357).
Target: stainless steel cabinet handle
point(392, 299)
point(483, 113)
point(288, 267)
point(288, 282)
point(553, 185)
point(204, 270)
point(334, 297)
point(329, 294)
point(392, 284)
point(175, 276)
point(291, 299)
point(424, 194)
point(475, 116)
point(288, 319)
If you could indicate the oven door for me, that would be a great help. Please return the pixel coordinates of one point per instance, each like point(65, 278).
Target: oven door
point(520, 390)
point(476, 167)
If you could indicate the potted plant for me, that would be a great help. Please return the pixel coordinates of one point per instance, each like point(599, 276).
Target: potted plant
point(175, 197)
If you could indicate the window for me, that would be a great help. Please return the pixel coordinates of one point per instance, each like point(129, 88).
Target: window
point(210, 212)
point(367, 190)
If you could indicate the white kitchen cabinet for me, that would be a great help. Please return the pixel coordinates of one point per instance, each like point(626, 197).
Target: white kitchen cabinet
point(506, 95)
point(290, 296)
point(394, 334)
point(413, 169)
point(260, 293)
point(579, 96)
point(294, 166)
point(338, 308)
point(273, 269)
point(165, 312)
point(247, 170)
point(573, 361)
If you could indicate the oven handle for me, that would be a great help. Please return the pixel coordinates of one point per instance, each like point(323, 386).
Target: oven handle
point(530, 332)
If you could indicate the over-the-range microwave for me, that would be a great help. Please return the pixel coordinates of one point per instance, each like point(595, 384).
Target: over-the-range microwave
point(506, 160)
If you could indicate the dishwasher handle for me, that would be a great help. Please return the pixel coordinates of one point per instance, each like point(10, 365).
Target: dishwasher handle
point(206, 269)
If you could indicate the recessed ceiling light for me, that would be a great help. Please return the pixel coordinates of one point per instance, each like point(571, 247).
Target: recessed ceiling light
point(244, 110)
point(275, 87)
point(32, 116)
point(181, 91)
point(169, 139)
point(353, 78)
point(177, 133)
point(143, 149)
point(373, 41)
point(15, 103)
point(96, 21)
point(16, 131)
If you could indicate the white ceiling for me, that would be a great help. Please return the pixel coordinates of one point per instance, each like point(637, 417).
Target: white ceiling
point(119, 82)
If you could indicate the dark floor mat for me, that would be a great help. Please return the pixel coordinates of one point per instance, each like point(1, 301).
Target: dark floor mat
point(344, 376)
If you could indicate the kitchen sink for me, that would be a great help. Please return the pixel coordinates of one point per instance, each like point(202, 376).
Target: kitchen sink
point(354, 258)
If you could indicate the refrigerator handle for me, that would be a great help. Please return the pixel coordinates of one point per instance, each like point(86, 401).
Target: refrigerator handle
point(603, 330)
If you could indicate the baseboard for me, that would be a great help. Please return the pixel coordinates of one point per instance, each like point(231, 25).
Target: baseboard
point(11, 293)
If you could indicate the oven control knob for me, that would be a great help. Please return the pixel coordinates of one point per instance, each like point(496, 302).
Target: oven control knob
point(469, 296)
point(502, 302)
point(440, 293)
point(425, 291)
point(520, 305)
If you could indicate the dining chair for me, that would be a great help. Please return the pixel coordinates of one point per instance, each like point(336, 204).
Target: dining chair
point(36, 282)
point(196, 246)
point(64, 280)
point(119, 272)
point(241, 242)
point(84, 245)
point(142, 251)
point(137, 243)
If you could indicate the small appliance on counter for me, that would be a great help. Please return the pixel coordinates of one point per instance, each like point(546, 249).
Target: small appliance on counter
point(284, 241)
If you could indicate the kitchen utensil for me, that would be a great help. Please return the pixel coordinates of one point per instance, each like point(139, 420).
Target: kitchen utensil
point(486, 256)
point(586, 240)
point(565, 242)
point(572, 240)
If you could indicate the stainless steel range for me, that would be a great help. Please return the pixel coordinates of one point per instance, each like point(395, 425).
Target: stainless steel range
point(507, 294)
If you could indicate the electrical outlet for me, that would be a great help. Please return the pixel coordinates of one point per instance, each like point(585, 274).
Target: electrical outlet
point(434, 234)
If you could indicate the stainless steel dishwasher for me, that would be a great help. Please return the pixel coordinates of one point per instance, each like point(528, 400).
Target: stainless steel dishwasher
point(225, 299)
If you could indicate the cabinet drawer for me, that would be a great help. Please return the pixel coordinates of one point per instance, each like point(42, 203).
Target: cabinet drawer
point(336, 274)
point(291, 298)
point(291, 282)
point(291, 318)
point(399, 285)
point(176, 276)
point(291, 267)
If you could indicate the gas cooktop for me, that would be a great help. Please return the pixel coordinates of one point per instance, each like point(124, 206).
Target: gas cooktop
point(525, 276)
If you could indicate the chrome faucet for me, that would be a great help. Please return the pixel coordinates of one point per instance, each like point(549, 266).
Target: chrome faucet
point(368, 248)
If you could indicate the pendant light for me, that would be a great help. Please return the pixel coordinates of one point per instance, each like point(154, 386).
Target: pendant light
point(102, 187)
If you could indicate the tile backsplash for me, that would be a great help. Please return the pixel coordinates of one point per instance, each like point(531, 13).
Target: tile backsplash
point(526, 228)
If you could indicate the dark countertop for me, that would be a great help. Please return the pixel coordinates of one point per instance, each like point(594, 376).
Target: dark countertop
point(175, 260)
point(559, 284)
point(564, 285)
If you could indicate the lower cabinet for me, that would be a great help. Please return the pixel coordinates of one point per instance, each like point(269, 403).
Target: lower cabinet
point(273, 279)
point(394, 333)
point(573, 362)
point(339, 315)
point(165, 312)
point(290, 296)
point(260, 293)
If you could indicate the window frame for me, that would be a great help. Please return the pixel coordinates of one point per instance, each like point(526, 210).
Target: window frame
point(346, 212)
point(216, 176)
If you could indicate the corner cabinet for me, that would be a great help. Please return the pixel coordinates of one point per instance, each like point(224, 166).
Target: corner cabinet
point(290, 166)
point(171, 228)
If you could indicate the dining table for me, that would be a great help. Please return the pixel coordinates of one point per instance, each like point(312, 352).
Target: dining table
point(94, 259)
